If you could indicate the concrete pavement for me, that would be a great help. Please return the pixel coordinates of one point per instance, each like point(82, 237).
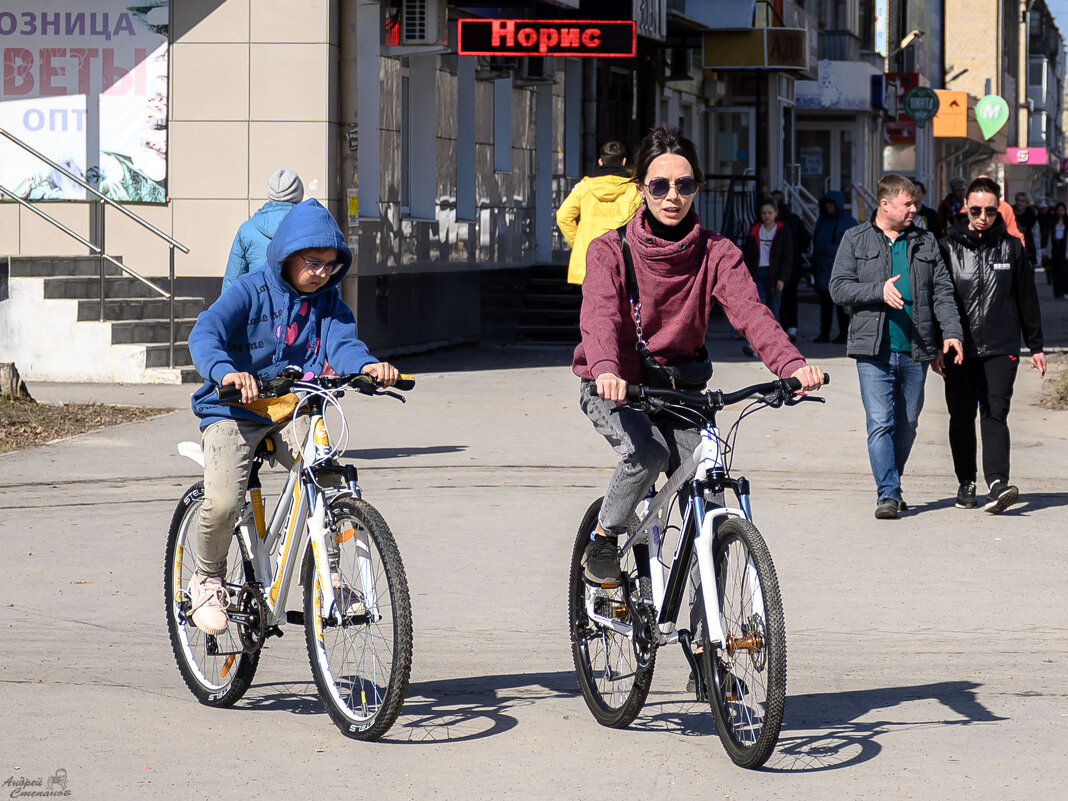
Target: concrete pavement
point(927, 655)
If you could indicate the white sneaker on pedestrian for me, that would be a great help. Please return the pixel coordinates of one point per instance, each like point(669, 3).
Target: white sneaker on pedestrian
point(210, 600)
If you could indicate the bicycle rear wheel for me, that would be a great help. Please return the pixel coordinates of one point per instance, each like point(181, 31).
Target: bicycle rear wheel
point(214, 667)
point(613, 679)
point(362, 664)
point(747, 680)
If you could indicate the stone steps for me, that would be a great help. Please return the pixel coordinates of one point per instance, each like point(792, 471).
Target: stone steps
point(136, 315)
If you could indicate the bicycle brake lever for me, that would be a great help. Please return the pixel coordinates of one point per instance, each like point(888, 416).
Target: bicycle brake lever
point(793, 400)
point(392, 394)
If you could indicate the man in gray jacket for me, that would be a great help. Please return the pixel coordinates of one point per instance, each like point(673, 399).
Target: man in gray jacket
point(904, 314)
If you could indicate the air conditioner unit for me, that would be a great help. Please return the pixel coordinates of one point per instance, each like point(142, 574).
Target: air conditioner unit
point(423, 22)
point(536, 69)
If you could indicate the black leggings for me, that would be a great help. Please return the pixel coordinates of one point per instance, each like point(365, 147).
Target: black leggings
point(983, 384)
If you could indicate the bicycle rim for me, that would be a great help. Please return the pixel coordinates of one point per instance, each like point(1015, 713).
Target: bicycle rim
point(216, 679)
point(361, 665)
point(612, 681)
point(747, 679)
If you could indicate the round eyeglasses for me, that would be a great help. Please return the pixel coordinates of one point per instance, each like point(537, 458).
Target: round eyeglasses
point(326, 268)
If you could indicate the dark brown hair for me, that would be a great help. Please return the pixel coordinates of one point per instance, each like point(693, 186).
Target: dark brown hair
point(612, 153)
point(662, 141)
point(984, 184)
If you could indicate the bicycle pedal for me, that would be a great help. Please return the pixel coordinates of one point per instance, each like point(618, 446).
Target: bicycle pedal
point(295, 617)
point(601, 585)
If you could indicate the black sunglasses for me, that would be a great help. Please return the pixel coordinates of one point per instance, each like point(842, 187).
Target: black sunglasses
point(659, 187)
point(976, 211)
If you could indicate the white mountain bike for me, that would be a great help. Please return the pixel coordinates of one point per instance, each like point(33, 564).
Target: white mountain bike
point(736, 640)
point(356, 613)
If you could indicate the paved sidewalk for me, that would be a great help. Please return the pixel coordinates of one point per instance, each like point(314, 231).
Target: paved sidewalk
point(927, 660)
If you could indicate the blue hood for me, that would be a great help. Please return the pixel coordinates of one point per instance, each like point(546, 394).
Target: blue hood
point(836, 197)
point(308, 225)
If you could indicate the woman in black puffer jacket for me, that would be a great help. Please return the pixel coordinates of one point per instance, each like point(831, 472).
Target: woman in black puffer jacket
point(994, 283)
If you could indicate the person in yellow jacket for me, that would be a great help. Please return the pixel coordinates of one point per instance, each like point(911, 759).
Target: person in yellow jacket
point(598, 204)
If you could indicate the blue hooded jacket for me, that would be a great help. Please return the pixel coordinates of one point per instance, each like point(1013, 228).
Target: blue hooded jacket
point(826, 237)
point(249, 250)
point(261, 324)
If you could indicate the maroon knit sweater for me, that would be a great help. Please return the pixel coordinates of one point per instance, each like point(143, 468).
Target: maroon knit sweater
point(677, 284)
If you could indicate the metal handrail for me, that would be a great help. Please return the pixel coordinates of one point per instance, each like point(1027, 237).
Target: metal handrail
point(103, 198)
point(807, 209)
point(99, 250)
point(866, 195)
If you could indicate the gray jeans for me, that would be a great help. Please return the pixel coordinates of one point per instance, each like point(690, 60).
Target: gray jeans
point(647, 448)
point(228, 449)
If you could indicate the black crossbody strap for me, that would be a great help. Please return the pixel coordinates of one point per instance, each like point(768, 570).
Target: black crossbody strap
point(628, 264)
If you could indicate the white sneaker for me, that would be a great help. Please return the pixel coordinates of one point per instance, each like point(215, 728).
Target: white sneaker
point(349, 601)
point(210, 600)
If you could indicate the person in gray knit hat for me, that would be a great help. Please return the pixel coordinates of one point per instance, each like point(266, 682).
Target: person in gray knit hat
point(249, 251)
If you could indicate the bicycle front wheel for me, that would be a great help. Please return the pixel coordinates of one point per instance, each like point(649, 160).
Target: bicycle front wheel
point(213, 666)
point(613, 678)
point(746, 680)
point(362, 662)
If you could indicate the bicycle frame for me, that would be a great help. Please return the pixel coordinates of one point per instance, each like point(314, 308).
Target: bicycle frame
point(299, 517)
point(701, 473)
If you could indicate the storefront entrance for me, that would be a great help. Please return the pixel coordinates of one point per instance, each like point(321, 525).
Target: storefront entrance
point(826, 158)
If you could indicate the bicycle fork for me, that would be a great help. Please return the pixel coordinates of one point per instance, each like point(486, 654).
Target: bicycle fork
point(319, 529)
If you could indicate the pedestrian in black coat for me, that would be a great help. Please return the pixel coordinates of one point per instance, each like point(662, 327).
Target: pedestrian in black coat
point(994, 284)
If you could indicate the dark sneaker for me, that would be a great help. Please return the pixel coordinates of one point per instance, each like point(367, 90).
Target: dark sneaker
point(901, 505)
point(822, 338)
point(966, 495)
point(886, 509)
point(747, 350)
point(1002, 496)
point(600, 561)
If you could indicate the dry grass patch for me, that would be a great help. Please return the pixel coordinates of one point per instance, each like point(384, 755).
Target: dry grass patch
point(24, 423)
point(1055, 387)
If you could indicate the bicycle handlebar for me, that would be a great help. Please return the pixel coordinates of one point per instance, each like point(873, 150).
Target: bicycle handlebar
point(780, 389)
point(283, 383)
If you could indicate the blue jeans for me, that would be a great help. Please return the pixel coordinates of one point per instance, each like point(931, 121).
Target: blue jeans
point(891, 387)
point(768, 296)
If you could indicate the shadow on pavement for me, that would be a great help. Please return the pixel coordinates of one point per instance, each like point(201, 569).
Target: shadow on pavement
point(829, 733)
point(450, 710)
point(474, 707)
point(831, 736)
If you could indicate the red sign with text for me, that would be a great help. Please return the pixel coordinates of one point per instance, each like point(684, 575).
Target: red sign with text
point(544, 37)
point(902, 129)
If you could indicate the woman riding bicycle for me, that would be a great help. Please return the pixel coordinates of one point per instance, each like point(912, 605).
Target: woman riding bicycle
point(288, 312)
point(679, 271)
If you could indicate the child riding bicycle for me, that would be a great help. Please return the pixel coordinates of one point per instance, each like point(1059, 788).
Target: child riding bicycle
point(287, 312)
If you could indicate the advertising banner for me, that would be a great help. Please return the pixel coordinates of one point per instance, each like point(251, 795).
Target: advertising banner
point(85, 83)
